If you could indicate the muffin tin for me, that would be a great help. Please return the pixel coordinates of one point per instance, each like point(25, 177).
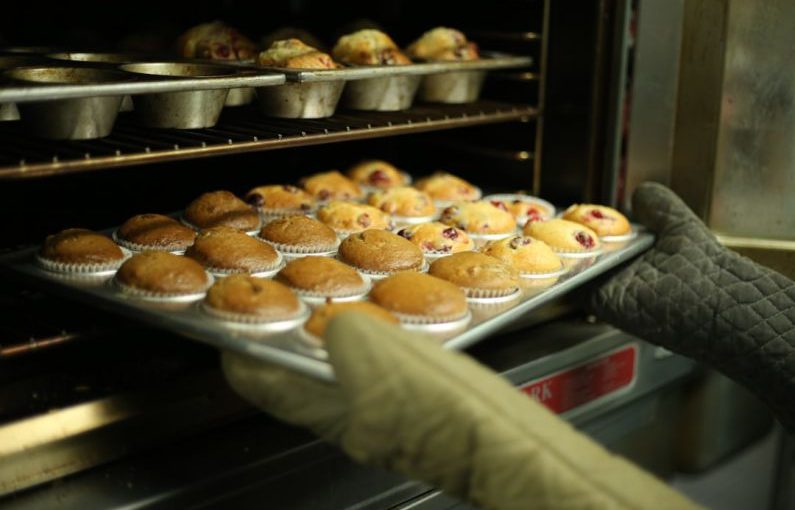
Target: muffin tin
point(289, 348)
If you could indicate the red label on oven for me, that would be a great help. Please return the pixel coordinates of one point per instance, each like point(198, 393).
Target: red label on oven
point(576, 386)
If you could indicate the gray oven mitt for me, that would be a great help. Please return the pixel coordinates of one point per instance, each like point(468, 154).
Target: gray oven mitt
point(405, 404)
point(695, 297)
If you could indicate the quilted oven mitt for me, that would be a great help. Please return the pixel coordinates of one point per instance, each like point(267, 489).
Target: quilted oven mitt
point(695, 297)
point(405, 404)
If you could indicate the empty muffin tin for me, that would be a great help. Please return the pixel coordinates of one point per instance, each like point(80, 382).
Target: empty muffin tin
point(9, 111)
point(294, 100)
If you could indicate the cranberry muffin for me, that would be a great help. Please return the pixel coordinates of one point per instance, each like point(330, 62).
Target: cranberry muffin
point(80, 250)
point(331, 186)
point(300, 235)
point(480, 218)
point(403, 201)
point(436, 238)
point(380, 252)
point(346, 217)
point(368, 47)
point(525, 254)
point(480, 275)
point(564, 236)
point(245, 298)
point(224, 250)
point(162, 274)
point(154, 232)
point(418, 298)
point(605, 221)
point(322, 277)
point(221, 208)
point(294, 53)
point(216, 41)
point(443, 44)
point(320, 318)
point(376, 173)
point(279, 200)
point(446, 187)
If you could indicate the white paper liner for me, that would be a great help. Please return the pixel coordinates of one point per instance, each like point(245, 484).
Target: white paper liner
point(147, 295)
point(495, 299)
point(432, 325)
point(268, 215)
point(577, 254)
point(250, 321)
point(319, 298)
point(619, 239)
point(261, 273)
point(380, 275)
point(540, 276)
point(303, 251)
point(84, 269)
point(473, 293)
point(313, 344)
point(492, 237)
point(401, 221)
point(197, 229)
point(142, 247)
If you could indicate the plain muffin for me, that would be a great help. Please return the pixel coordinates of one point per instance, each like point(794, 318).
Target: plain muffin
point(300, 234)
point(81, 247)
point(226, 249)
point(280, 199)
point(155, 232)
point(221, 208)
point(379, 251)
point(258, 298)
point(478, 274)
point(163, 273)
point(322, 276)
point(419, 297)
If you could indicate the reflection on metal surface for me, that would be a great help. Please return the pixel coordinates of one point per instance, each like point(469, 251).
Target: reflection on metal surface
point(773, 253)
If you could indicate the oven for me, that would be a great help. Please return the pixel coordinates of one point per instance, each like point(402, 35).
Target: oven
point(102, 412)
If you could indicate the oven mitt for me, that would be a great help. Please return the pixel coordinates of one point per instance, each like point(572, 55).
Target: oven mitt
point(405, 404)
point(695, 297)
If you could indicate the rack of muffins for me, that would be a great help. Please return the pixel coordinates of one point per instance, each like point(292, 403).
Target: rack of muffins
point(434, 256)
point(77, 95)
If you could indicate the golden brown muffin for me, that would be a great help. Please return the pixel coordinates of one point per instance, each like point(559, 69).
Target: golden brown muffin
point(377, 174)
point(216, 41)
point(163, 273)
point(347, 217)
point(478, 274)
point(293, 53)
point(300, 234)
point(403, 201)
point(280, 200)
point(479, 218)
point(221, 208)
point(155, 232)
point(320, 318)
point(605, 221)
point(224, 249)
point(288, 32)
point(331, 186)
point(379, 251)
point(81, 247)
point(443, 44)
point(443, 186)
point(421, 296)
point(436, 238)
point(525, 254)
point(322, 276)
point(368, 47)
point(258, 298)
point(563, 236)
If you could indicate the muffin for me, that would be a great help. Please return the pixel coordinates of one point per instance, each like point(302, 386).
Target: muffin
point(280, 200)
point(331, 186)
point(347, 218)
point(159, 274)
point(300, 235)
point(377, 174)
point(318, 321)
point(527, 255)
point(221, 208)
point(479, 218)
point(445, 187)
point(380, 252)
point(524, 207)
point(418, 298)
point(443, 44)
point(80, 250)
point(404, 202)
point(154, 232)
point(479, 275)
point(323, 277)
point(564, 236)
point(368, 47)
point(605, 221)
point(224, 250)
point(244, 298)
point(216, 41)
point(293, 53)
point(436, 238)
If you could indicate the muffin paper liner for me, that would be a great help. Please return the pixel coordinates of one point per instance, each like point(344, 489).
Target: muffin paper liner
point(491, 237)
point(433, 324)
point(148, 295)
point(312, 343)
point(402, 221)
point(553, 274)
point(303, 251)
point(563, 254)
point(198, 229)
point(268, 215)
point(620, 239)
point(265, 272)
point(143, 247)
point(380, 275)
point(108, 268)
point(473, 293)
point(319, 298)
point(256, 321)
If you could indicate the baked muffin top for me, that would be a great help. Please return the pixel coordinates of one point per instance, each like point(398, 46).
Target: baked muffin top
point(446, 186)
point(323, 276)
point(331, 186)
point(161, 272)
point(442, 43)
point(377, 174)
point(80, 246)
point(437, 238)
point(216, 41)
point(322, 315)
point(300, 232)
point(603, 220)
point(563, 235)
point(525, 209)
point(380, 251)
point(480, 217)
point(248, 295)
point(525, 254)
point(293, 53)
point(473, 270)
point(281, 197)
point(403, 201)
point(156, 232)
point(221, 208)
point(232, 250)
point(347, 217)
point(368, 47)
point(421, 295)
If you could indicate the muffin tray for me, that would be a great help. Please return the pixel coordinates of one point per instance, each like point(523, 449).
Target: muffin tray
point(286, 344)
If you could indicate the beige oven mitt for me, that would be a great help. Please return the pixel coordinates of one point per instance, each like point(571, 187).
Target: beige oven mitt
point(405, 404)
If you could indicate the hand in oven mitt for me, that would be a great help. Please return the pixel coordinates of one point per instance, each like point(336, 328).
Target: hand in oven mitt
point(695, 297)
point(404, 403)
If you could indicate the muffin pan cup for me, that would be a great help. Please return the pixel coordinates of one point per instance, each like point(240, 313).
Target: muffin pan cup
point(295, 100)
point(387, 94)
point(456, 87)
point(255, 322)
point(240, 96)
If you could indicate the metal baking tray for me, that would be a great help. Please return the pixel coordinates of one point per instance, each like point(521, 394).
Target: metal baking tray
point(289, 348)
